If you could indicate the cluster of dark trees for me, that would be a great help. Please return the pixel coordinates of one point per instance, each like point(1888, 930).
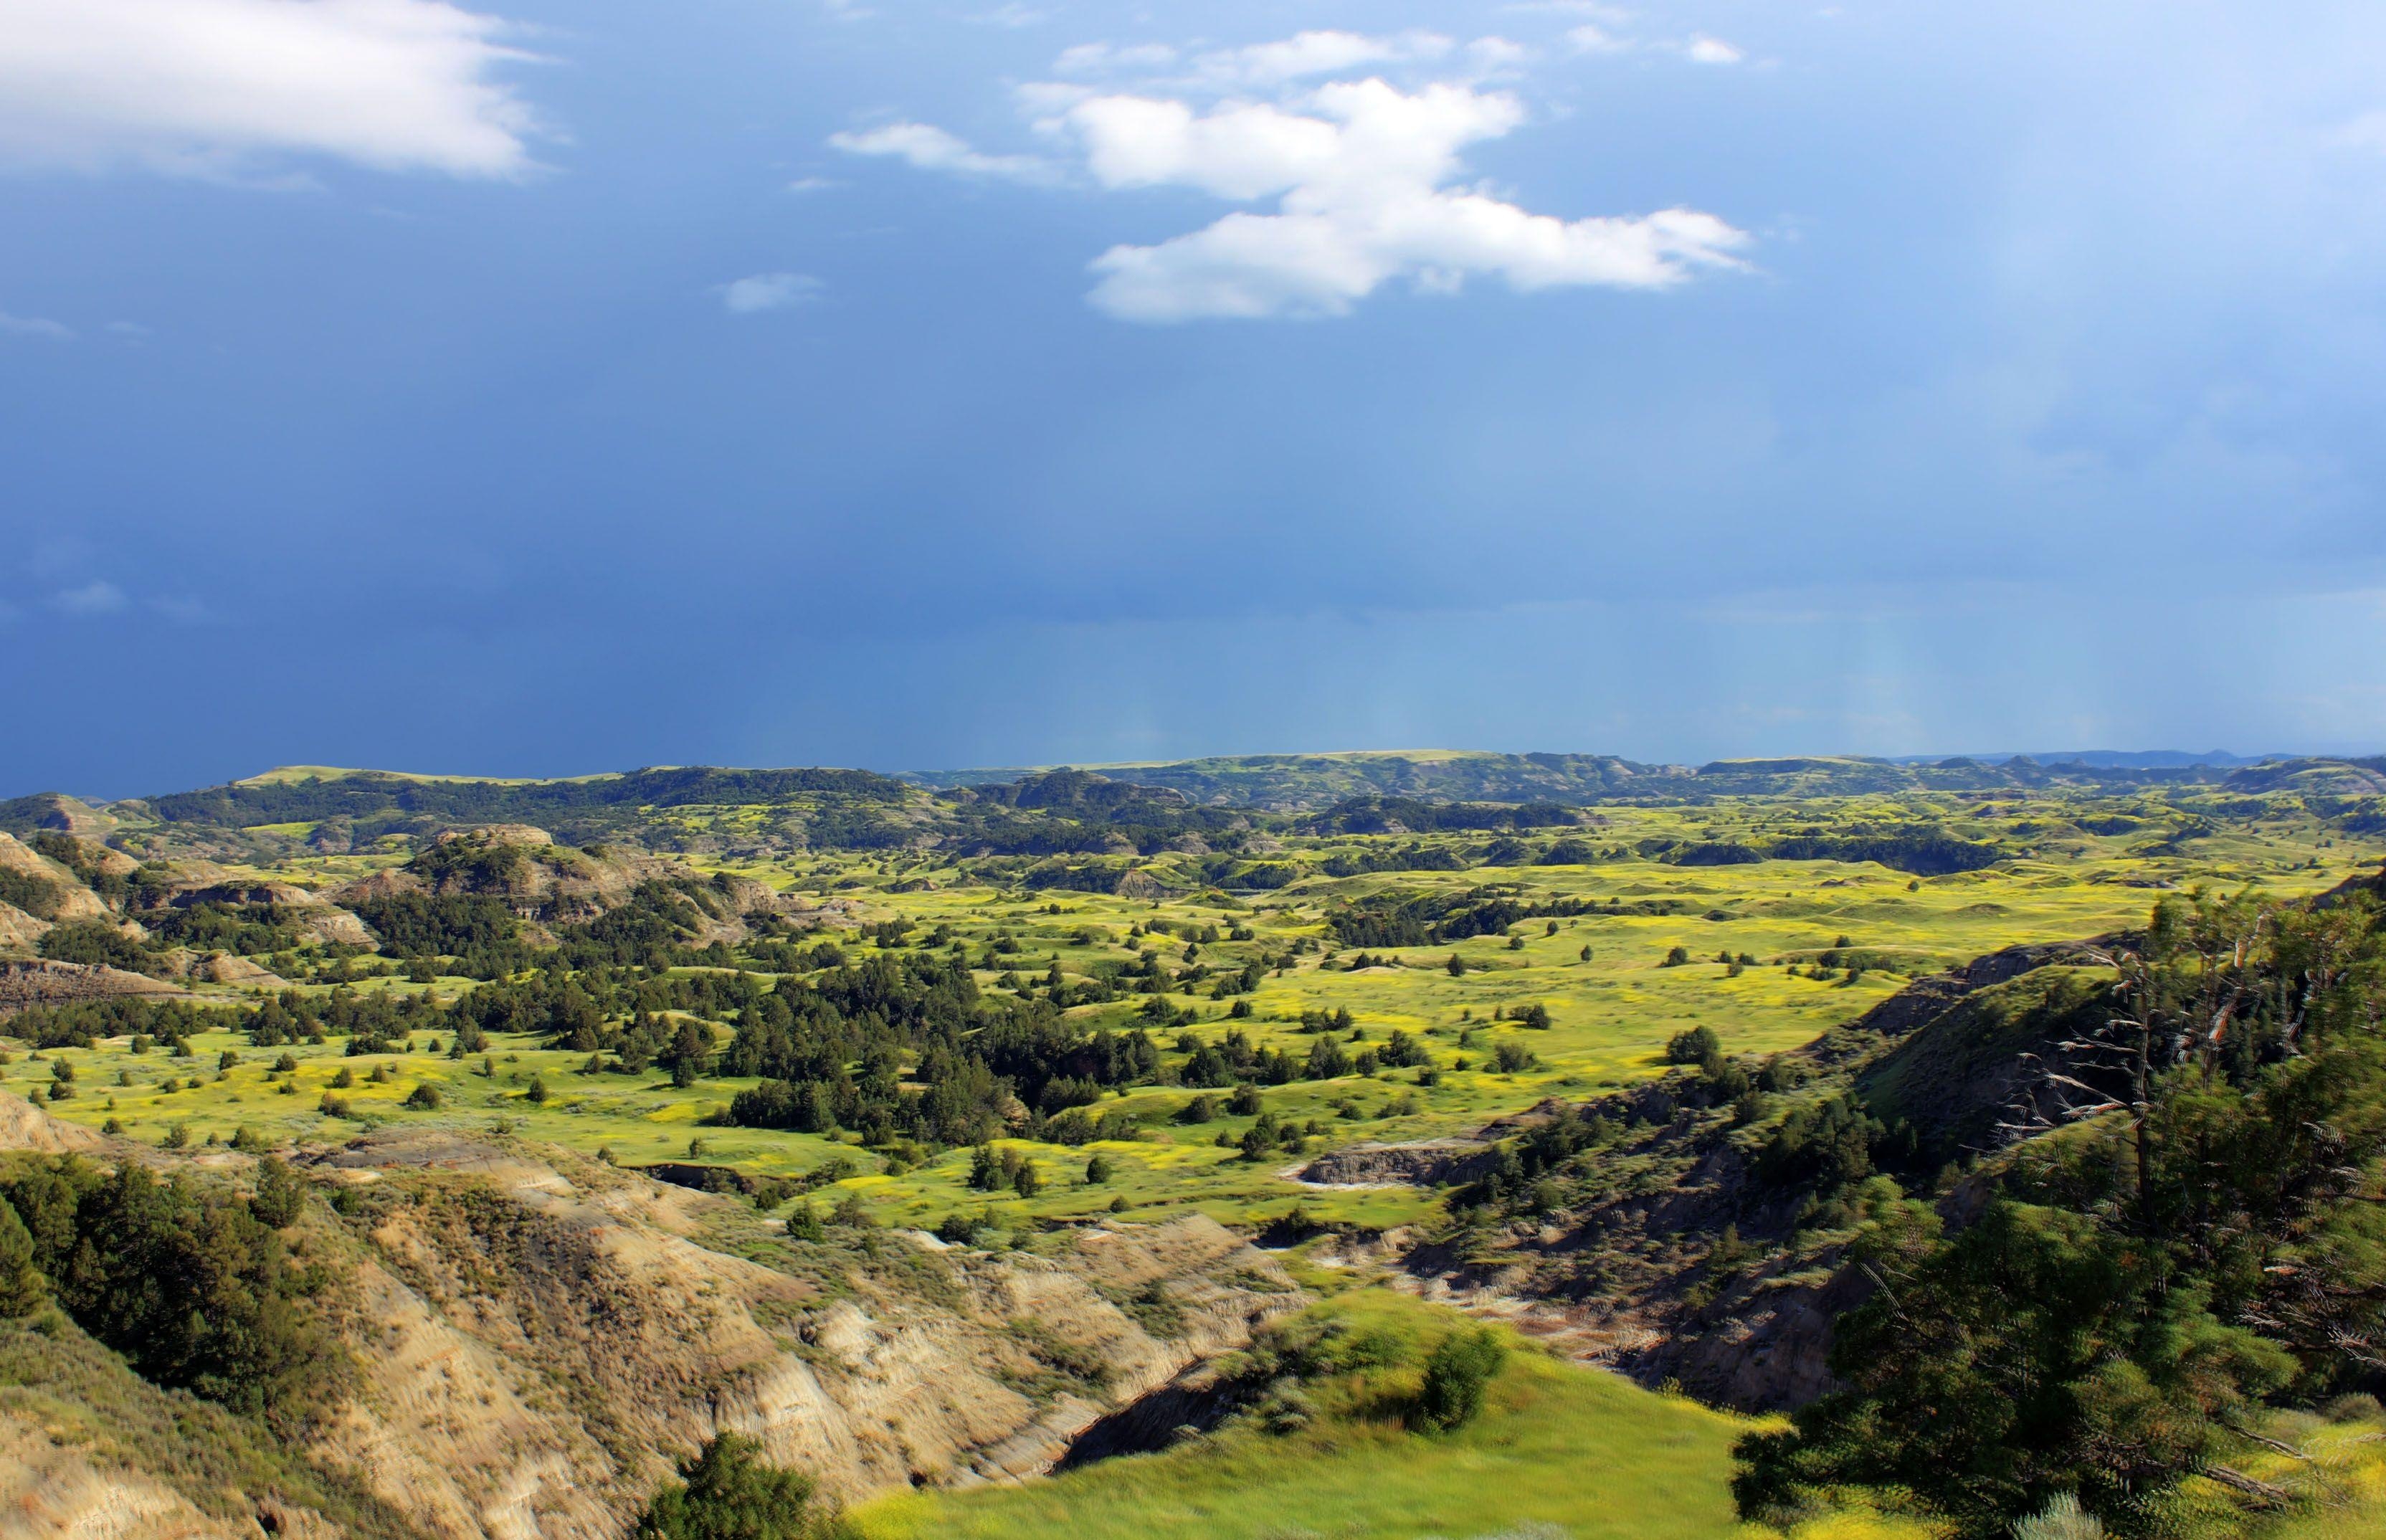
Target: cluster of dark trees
point(1924, 853)
point(906, 1049)
point(188, 1281)
point(80, 1024)
point(1377, 815)
point(1424, 919)
point(2193, 1239)
point(1833, 1144)
point(653, 928)
point(242, 930)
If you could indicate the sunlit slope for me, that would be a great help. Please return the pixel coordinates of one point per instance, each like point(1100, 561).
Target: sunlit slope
point(1556, 1444)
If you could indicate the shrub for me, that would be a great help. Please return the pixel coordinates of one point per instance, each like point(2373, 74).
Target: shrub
point(1694, 1046)
point(279, 1195)
point(424, 1098)
point(725, 1493)
point(1454, 1377)
point(2062, 1519)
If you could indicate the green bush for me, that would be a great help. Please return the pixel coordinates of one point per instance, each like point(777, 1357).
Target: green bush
point(1455, 1376)
point(279, 1195)
point(1694, 1046)
point(727, 1493)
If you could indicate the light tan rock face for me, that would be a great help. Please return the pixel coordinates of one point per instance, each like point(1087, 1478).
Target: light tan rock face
point(71, 814)
point(223, 968)
point(25, 1126)
point(19, 932)
point(67, 899)
point(24, 984)
point(53, 1490)
point(534, 1338)
point(546, 1334)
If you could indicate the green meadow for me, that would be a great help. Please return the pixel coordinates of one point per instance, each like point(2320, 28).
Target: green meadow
point(1603, 977)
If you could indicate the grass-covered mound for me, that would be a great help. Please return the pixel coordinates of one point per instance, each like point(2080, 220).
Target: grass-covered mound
point(1553, 1445)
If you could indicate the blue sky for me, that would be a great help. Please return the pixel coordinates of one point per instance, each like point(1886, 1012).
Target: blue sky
point(528, 388)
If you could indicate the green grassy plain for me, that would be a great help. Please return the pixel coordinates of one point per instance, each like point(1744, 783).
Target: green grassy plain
point(1612, 1014)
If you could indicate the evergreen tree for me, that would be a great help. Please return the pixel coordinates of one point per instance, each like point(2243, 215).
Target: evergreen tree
point(21, 1289)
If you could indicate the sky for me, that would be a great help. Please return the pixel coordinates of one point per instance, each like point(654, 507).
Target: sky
point(521, 387)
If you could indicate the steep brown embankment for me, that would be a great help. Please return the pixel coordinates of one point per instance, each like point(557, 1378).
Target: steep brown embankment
point(535, 1336)
point(24, 984)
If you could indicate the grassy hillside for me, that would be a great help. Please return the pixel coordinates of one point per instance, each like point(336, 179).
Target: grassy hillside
point(1570, 1450)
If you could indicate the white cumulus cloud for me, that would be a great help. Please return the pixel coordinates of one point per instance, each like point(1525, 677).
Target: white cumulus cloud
point(208, 87)
point(768, 291)
point(1103, 59)
point(99, 597)
point(1305, 55)
point(32, 326)
point(1014, 16)
point(1361, 181)
point(932, 149)
point(1262, 68)
point(1712, 50)
point(2364, 132)
point(1592, 38)
point(1365, 179)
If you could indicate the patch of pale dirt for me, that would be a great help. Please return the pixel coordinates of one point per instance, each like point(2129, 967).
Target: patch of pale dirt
point(25, 1126)
point(54, 1491)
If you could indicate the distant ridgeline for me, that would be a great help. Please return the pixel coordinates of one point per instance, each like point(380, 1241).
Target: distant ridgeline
point(366, 792)
point(1310, 782)
point(1202, 822)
